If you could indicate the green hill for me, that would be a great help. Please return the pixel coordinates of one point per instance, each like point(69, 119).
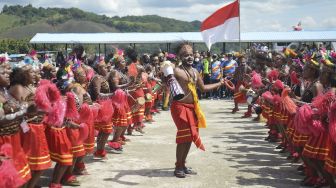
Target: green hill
point(19, 22)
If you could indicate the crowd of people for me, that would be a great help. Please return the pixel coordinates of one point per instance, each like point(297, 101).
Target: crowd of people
point(294, 90)
point(67, 112)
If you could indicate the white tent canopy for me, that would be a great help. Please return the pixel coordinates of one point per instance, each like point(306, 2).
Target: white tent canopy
point(193, 37)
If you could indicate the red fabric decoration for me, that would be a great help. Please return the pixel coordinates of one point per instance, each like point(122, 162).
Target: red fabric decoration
point(119, 100)
point(267, 96)
point(323, 102)
point(332, 122)
point(276, 99)
point(48, 98)
point(105, 112)
point(273, 75)
point(132, 70)
point(56, 115)
point(294, 78)
point(83, 132)
point(256, 81)
point(71, 109)
point(316, 128)
point(278, 84)
point(85, 113)
point(9, 176)
point(287, 103)
point(303, 119)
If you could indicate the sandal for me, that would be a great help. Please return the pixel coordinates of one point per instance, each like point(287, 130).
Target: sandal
point(80, 172)
point(179, 173)
point(189, 171)
point(234, 110)
point(71, 181)
point(55, 185)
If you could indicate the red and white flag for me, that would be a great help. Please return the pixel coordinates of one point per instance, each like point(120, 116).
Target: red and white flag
point(221, 25)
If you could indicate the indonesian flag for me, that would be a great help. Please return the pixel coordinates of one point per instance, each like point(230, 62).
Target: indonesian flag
point(221, 25)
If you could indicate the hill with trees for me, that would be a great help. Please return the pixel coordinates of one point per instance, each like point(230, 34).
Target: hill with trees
point(19, 22)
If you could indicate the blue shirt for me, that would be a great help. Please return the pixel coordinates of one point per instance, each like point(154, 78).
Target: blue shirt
point(198, 66)
point(216, 70)
point(229, 66)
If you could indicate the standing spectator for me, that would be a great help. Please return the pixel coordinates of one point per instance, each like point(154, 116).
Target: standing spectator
point(229, 66)
point(216, 75)
point(206, 70)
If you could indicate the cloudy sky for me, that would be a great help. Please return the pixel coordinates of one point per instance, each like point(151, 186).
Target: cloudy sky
point(256, 15)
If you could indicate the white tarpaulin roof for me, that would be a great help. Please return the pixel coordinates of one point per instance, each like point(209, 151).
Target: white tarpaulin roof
point(194, 37)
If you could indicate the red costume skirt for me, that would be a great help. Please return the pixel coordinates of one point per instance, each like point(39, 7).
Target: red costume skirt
point(77, 148)
point(105, 128)
point(330, 163)
point(137, 116)
point(19, 157)
point(89, 143)
point(122, 116)
point(186, 123)
point(59, 145)
point(239, 97)
point(290, 128)
point(317, 147)
point(36, 147)
point(299, 140)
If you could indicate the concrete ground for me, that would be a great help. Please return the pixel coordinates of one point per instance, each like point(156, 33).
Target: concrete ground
point(236, 156)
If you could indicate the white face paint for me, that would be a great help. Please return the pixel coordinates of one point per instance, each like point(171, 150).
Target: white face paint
point(197, 59)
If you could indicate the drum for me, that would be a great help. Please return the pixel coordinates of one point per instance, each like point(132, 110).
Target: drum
point(148, 97)
point(139, 102)
point(175, 89)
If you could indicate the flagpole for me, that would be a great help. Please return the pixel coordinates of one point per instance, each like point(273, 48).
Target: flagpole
point(240, 50)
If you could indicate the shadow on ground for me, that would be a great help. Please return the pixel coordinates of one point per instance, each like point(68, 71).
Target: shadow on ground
point(250, 153)
point(150, 173)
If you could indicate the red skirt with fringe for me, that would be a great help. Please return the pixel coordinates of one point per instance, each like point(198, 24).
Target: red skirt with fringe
point(122, 117)
point(186, 123)
point(89, 143)
point(330, 162)
point(239, 97)
point(290, 128)
point(105, 128)
point(299, 140)
point(36, 147)
point(77, 148)
point(137, 116)
point(317, 147)
point(59, 145)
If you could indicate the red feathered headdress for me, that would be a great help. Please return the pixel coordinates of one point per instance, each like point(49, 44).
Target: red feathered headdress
point(267, 96)
point(48, 98)
point(256, 81)
point(273, 75)
point(278, 84)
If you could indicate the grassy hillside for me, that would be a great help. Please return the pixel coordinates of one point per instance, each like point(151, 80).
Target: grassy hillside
point(19, 22)
point(8, 21)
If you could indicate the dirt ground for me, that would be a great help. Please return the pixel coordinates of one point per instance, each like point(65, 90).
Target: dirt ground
point(236, 156)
